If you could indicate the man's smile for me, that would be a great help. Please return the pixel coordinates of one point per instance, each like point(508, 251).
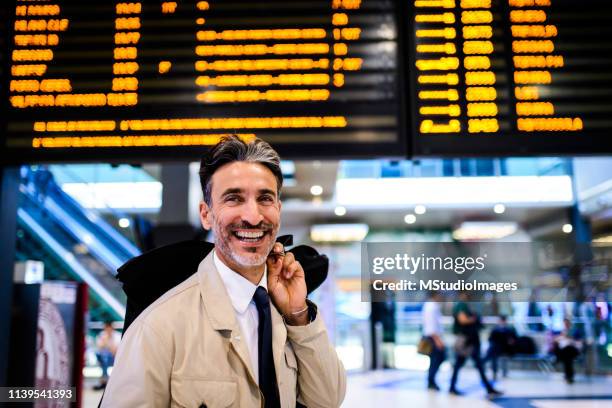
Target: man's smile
point(249, 236)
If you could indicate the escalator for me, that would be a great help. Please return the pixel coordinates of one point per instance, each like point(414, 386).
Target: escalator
point(74, 242)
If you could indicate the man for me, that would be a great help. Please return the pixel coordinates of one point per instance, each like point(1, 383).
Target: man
point(466, 327)
point(432, 330)
point(501, 343)
point(216, 340)
point(106, 343)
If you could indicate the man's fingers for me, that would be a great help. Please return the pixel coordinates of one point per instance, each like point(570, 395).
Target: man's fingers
point(275, 259)
point(292, 269)
point(288, 260)
point(275, 266)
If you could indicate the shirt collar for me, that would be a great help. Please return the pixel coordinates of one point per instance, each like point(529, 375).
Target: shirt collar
point(239, 289)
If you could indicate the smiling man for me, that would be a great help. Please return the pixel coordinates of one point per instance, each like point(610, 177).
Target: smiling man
point(240, 331)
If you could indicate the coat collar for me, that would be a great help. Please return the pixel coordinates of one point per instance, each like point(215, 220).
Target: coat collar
point(215, 298)
point(222, 316)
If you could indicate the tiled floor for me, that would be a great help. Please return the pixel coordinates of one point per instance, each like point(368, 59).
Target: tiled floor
point(522, 389)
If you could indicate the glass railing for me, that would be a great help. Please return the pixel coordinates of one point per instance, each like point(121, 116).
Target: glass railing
point(353, 339)
point(476, 167)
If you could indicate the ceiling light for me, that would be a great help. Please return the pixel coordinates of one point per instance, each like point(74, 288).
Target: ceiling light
point(410, 219)
point(499, 208)
point(567, 228)
point(474, 231)
point(338, 232)
point(604, 240)
point(420, 209)
point(316, 190)
point(340, 211)
point(124, 222)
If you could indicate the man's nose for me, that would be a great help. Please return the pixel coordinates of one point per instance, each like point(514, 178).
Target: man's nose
point(252, 213)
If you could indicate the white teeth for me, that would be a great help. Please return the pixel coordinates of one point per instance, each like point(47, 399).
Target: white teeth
point(249, 234)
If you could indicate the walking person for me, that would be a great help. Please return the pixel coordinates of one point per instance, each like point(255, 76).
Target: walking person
point(466, 327)
point(432, 331)
point(566, 348)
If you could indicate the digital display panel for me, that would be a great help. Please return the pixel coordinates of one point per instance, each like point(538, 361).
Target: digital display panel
point(108, 80)
point(338, 78)
point(510, 77)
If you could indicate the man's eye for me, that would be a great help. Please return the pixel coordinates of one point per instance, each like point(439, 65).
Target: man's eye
point(267, 198)
point(232, 198)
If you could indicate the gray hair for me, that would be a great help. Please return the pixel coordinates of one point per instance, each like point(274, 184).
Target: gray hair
point(233, 149)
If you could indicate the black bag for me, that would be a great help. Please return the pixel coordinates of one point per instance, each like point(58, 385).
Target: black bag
point(148, 276)
point(525, 345)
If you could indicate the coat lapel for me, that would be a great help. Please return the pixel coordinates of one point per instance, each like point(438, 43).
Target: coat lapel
point(220, 311)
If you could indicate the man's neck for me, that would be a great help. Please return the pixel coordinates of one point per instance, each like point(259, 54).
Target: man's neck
point(251, 273)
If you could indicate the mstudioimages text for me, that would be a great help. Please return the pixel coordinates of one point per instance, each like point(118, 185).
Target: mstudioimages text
point(441, 285)
point(414, 264)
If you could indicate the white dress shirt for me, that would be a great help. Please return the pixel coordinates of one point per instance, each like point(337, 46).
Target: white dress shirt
point(241, 291)
point(432, 319)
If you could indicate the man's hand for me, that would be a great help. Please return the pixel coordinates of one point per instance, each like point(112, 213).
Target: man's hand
point(287, 286)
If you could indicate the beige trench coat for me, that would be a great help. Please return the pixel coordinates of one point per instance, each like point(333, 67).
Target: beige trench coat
point(186, 350)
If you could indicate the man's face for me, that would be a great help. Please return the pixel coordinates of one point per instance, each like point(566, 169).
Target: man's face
point(244, 213)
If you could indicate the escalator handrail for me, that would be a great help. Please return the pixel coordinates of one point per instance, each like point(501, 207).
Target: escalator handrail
point(97, 221)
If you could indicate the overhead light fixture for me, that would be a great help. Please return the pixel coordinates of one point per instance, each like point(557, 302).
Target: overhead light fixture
point(316, 190)
point(406, 192)
point(410, 219)
point(605, 240)
point(475, 230)
point(124, 222)
point(338, 232)
point(499, 208)
point(567, 228)
point(420, 209)
point(340, 211)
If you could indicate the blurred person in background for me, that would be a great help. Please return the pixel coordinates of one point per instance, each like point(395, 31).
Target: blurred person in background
point(383, 314)
point(567, 347)
point(432, 331)
point(535, 313)
point(466, 326)
point(107, 343)
point(602, 316)
point(42, 179)
point(502, 342)
point(586, 313)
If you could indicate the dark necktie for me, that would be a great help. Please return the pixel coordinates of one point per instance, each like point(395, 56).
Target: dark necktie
point(267, 373)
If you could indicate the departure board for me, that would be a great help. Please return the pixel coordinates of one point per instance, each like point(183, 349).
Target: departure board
point(108, 80)
point(510, 77)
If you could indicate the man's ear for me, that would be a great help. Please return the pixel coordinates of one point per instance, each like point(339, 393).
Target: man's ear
point(205, 216)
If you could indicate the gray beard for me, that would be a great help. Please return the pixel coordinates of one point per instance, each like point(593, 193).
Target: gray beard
point(242, 260)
